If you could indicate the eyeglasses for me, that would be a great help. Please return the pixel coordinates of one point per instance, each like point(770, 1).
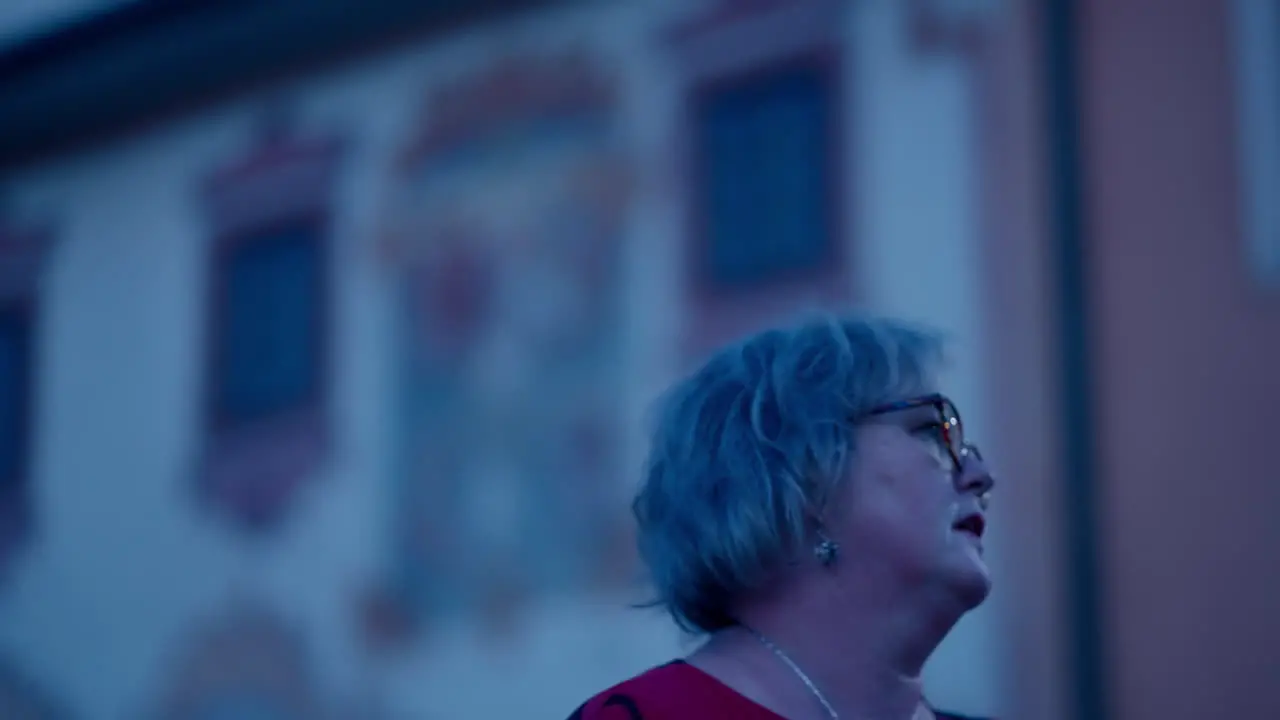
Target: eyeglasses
point(951, 427)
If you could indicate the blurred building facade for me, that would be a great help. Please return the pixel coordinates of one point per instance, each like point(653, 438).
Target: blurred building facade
point(328, 331)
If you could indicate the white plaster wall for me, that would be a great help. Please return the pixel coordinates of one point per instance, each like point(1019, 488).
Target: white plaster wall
point(126, 564)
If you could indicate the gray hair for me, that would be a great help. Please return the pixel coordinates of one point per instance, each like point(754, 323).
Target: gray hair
point(747, 449)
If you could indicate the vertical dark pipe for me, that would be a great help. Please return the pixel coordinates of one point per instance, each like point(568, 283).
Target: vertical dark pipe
point(1086, 647)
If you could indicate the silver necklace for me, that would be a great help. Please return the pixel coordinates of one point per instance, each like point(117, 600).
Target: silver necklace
point(795, 669)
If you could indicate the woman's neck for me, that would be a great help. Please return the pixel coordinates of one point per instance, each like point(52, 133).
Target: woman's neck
point(859, 689)
point(864, 657)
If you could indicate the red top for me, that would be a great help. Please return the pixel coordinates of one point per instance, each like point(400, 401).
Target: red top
point(679, 691)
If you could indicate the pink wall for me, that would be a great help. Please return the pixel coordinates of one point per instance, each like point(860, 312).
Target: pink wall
point(1186, 347)
point(1017, 282)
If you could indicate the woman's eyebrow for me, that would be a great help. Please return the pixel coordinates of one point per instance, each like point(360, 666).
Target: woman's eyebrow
point(907, 416)
point(926, 413)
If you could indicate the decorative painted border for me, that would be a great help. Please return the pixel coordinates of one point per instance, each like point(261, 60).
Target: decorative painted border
point(248, 654)
point(22, 697)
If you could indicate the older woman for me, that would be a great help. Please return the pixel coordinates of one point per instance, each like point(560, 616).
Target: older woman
point(812, 506)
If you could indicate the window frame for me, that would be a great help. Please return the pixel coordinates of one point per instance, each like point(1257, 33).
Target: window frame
point(1256, 42)
point(317, 223)
point(733, 43)
point(251, 472)
point(822, 63)
point(23, 253)
point(23, 307)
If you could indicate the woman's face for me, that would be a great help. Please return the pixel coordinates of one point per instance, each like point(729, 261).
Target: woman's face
point(909, 509)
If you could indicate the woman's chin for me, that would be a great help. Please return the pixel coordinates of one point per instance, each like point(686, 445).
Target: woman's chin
point(971, 579)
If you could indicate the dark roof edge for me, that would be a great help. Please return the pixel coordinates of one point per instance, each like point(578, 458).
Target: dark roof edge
point(113, 72)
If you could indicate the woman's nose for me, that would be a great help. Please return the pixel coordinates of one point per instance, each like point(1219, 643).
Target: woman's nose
point(974, 476)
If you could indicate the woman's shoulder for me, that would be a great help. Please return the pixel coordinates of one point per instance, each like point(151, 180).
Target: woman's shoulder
point(633, 698)
point(679, 691)
point(674, 691)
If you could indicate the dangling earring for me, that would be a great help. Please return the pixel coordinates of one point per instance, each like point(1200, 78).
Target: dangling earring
point(825, 551)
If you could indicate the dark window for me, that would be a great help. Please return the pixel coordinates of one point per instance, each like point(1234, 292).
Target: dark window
point(268, 324)
point(15, 374)
point(763, 147)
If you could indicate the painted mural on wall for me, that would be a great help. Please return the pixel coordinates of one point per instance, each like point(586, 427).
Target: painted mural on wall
point(21, 698)
point(505, 233)
point(246, 665)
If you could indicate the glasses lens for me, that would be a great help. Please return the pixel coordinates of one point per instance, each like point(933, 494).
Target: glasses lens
point(952, 428)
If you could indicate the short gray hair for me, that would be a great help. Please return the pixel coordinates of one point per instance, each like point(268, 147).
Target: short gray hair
point(747, 448)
